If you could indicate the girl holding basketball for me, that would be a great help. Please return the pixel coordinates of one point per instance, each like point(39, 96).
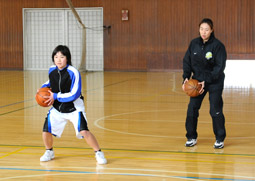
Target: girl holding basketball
point(65, 83)
point(205, 60)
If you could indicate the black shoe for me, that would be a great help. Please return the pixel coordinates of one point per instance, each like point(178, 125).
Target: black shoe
point(218, 144)
point(191, 142)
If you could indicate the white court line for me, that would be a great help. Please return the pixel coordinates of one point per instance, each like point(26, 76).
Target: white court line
point(124, 174)
point(178, 121)
point(96, 123)
point(95, 173)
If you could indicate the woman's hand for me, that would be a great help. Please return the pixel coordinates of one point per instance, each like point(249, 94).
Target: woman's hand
point(202, 87)
point(183, 87)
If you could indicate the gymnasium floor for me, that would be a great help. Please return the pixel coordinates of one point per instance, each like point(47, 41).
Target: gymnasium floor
point(138, 119)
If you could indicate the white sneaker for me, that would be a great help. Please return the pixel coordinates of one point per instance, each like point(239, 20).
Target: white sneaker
point(191, 142)
point(48, 155)
point(100, 157)
point(218, 144)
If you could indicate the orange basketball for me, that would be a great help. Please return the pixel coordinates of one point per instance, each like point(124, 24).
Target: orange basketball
point(39, 97)
point(192, 88)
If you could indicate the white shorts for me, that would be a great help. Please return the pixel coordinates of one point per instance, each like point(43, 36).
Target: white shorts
point(55, 122)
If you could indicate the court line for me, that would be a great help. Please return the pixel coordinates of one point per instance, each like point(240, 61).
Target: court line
point(151, 159)
point(132, 150)
point(11, 153)
point(96, 123)
point(65, 172)
point(111, 84)
point(84, 172)
point(155, 159)
point(203, 109)
point(180, 172)
point(100, 168)
point(18, 110)
point(36, 104)
point(15, 103)
point(179, 121)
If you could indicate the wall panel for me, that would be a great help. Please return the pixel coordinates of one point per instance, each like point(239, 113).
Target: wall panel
point(155, 37)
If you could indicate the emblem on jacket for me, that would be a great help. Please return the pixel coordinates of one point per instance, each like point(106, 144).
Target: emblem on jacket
point(208, 55)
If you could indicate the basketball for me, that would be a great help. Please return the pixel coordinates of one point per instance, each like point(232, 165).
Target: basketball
point(39, 97)
point(192, 88)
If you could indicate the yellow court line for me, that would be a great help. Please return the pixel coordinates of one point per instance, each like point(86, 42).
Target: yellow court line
point(182, 153)
point(133, 158)
point(141, 151)
point(143, 158)
point(187, 152)
point(179, 160)
point(11, 153)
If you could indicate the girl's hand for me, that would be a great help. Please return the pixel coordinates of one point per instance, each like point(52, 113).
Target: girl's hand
point(50, 99)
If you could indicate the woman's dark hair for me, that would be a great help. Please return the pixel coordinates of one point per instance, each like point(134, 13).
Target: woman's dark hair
point(208, 21)
point(65, 51)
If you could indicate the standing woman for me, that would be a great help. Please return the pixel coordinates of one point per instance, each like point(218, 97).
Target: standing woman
point(205, 60)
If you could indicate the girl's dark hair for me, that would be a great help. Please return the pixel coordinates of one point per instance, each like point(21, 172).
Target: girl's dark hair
point(208, 21)
point(65, 51)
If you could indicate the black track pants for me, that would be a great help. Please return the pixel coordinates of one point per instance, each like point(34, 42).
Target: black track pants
point(216, 112)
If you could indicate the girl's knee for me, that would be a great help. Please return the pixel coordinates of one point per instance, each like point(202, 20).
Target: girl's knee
point(85, 133)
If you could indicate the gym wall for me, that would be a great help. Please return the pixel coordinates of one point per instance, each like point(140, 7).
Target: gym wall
point(155, 36)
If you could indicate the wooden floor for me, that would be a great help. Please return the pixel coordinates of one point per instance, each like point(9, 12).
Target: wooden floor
point(138, 119)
